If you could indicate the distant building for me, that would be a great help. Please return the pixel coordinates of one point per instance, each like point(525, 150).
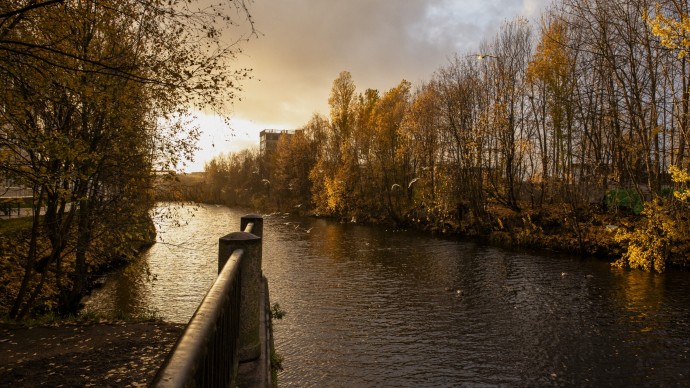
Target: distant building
point(269, 139)
point(13, 194)
point(9, 188)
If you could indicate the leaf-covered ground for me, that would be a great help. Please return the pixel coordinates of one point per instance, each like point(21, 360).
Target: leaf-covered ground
point(93, 355)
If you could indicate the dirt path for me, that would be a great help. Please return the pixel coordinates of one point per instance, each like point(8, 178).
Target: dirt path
point(97, 355)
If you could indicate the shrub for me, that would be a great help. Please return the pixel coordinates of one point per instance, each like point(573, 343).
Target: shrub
point(624, 199)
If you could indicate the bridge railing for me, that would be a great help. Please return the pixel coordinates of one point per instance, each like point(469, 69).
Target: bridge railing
point(225, 329)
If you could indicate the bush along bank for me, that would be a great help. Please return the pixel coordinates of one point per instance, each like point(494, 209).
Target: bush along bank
point(653, 240)
point(51, 284)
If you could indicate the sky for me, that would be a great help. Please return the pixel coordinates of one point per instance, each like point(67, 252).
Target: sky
point(302, 46)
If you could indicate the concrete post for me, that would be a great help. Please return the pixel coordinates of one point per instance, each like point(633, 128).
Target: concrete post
point(258, 222)
point(250, 273)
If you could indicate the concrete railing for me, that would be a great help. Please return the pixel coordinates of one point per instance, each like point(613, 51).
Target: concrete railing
point(225, 329)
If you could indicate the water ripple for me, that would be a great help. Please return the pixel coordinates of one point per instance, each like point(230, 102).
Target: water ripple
point(367, 307)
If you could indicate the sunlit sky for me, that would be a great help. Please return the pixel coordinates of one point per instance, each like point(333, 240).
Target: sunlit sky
point(304, 44)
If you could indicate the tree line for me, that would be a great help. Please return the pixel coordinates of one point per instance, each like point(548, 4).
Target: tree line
point(585, 114)
point(94, 99)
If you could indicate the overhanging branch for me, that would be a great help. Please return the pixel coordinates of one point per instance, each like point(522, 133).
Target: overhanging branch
point(31, 6)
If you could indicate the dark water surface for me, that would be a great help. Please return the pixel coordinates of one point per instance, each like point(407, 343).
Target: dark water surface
point(369, 307)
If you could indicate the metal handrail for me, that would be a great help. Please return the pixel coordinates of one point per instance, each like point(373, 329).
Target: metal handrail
point(207, 353)
point(225, 329)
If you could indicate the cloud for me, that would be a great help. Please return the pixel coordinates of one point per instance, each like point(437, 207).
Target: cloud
point(306, 43)
point(220, 138)
point(532, 9)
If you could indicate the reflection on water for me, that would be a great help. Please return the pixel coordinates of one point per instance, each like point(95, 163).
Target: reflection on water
point(173, 276)
point(369, 307)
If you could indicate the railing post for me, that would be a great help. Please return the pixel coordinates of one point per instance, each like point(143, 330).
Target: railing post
point(250, 274)
point(255, 219)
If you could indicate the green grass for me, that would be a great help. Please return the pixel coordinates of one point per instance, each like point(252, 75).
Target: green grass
point(15, 225)
point(625, 199)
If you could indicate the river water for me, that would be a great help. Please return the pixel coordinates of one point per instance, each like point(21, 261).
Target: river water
point(373, 307)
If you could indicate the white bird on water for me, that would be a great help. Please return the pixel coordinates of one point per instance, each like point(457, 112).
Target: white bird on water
point(266, 181)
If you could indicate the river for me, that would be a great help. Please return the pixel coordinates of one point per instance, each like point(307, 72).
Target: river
point(373, 307)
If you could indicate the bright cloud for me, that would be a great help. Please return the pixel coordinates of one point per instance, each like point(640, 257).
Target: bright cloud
point(305, 44)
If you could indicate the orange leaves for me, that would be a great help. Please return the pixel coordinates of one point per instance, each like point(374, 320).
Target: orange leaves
point(551, 62)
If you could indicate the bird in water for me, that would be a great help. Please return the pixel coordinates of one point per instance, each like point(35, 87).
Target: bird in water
point(458, 291)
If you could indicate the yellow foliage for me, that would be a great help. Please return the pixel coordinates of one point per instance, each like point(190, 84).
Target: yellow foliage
point(674, 33)
point(550, 63)
point(682, 177)
point(335, 191)
point(650, 246)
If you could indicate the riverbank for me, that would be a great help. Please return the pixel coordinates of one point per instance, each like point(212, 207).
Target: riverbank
point(605, 234)
point(560, 229)
point(588, 229)
point(87, 355)
point(553, 229)
point(556, 228)
point(50, 283)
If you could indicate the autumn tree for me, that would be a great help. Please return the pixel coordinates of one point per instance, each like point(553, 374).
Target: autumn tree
point(551, 84)
point(93, 97)
point(234, 179)
point(662, 237)
point(362, 159)
point(669, 22)
point(391, 162)
point(460, 175)
point(506, 112)
point(329, 171)
point(295, 158)
point(421, 136)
